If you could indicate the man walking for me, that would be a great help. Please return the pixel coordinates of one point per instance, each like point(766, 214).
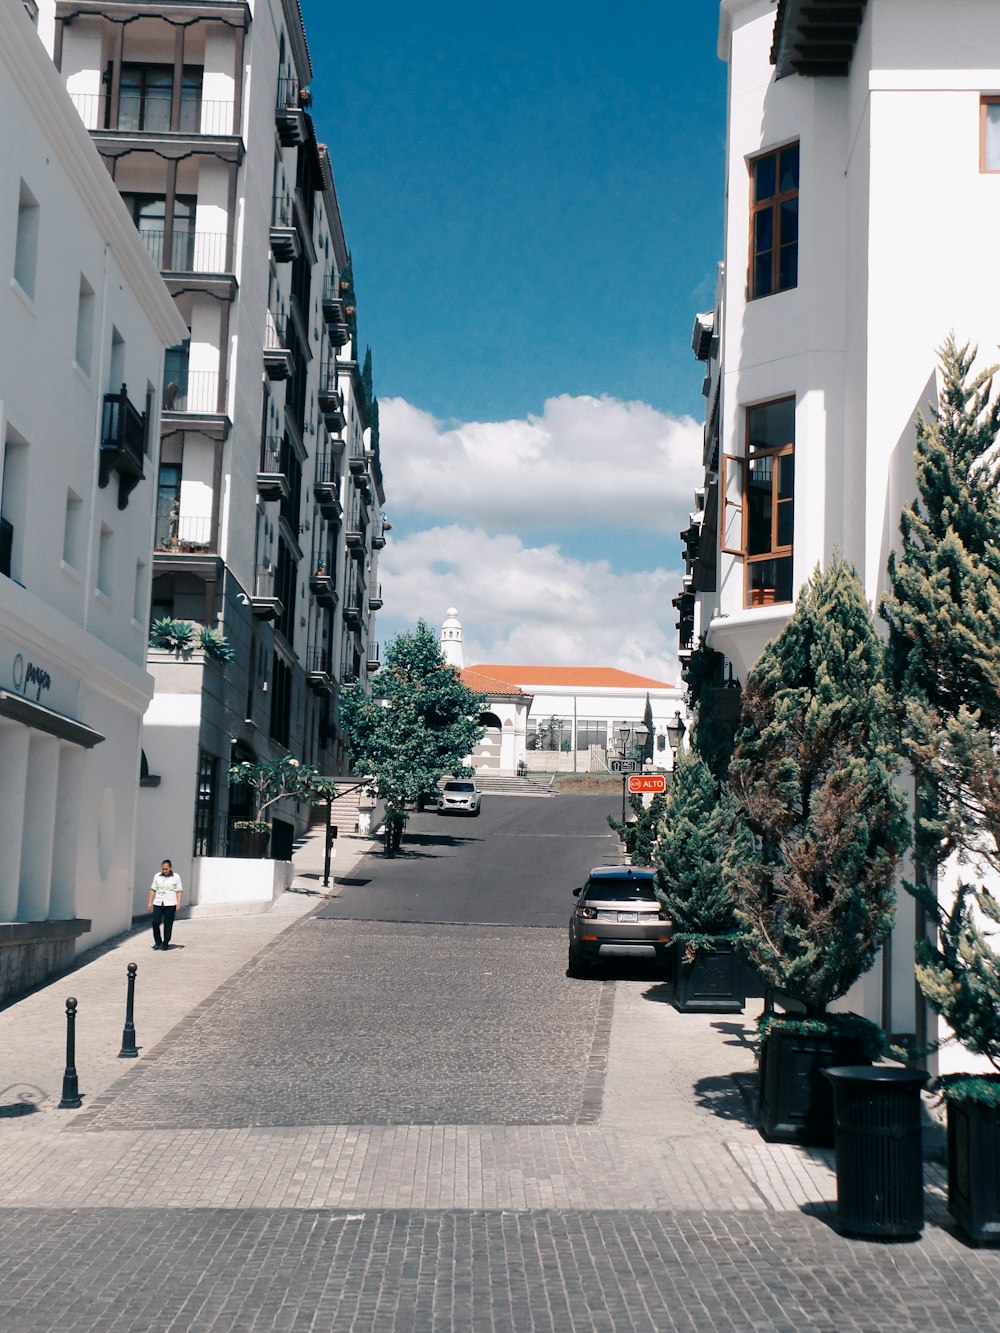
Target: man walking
point(164, 900)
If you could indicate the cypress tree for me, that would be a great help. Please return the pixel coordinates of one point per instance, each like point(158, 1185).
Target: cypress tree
point(819, 824)
point(690, 882)
point(943, 658)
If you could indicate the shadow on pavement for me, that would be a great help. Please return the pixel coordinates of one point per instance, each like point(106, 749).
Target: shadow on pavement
point(729, 1096)
point(736, 1034)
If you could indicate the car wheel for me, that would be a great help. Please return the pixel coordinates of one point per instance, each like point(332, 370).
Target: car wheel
point(574, 967)
point(475, 813)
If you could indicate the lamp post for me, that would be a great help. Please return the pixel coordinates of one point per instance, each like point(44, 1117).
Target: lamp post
point(675, 734)
point(631, 737)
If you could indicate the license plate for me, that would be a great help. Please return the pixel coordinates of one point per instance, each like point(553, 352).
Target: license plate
point(628, 917)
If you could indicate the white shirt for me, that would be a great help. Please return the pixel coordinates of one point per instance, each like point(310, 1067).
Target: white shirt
point(166, 889)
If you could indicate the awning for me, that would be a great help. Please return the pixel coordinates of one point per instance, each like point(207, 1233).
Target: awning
point(40, 718)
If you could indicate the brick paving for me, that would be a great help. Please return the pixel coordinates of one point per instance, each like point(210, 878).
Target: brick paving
point(476, 1143)
point(211, 1270)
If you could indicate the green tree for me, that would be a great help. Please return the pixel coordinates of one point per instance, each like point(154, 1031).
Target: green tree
point(647, 720)
point(943, 658)
point(819, 824)
point(419, 726)
point(639, 836)
point(273, 779)
point(694, 836)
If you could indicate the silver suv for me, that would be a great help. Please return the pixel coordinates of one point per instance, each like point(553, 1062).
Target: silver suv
point(618, 915)
point(459, 796)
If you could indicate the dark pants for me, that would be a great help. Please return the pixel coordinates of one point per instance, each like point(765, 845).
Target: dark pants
point(165, 915)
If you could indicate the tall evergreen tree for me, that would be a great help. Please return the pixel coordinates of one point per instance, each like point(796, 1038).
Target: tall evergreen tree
point(820, 825)
point(647, 722)
point(943, 612)
point(689, 857)
point(639, 837)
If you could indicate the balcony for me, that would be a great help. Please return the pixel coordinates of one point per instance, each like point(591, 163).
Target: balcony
point(334, 314)
point(272, 481)
point(375, 602)
point(357, 463)
point(183, 534)
point(265, 601)
point(331, 400)
point(319, 675)
point(326, 488)
point(194, 391)
point(190, 251)
point(355, 538)
point(373, 661)
point(289, 113)
point(149, 112)
point(277, 354)
point(322, 587)
point(285, 242)
point(352, 611)
point(123, 444)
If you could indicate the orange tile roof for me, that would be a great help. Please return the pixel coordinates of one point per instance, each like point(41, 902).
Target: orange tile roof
point(475, 679)
point(606, 678)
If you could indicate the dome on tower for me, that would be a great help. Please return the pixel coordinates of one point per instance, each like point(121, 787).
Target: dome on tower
point(451, 639)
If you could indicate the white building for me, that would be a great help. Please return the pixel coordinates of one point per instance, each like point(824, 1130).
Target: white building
point(862, 191)
point(84, 323)
point(268, 517)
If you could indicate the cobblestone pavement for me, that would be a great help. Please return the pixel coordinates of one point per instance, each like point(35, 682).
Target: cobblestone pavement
point(516, 1272)
point(558, 1154)
point(344, 1023)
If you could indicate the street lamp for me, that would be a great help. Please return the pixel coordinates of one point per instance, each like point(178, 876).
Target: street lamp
point(631, 737)
point(675, 733)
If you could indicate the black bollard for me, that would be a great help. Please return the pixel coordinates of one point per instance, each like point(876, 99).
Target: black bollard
point(71, 1098)
point(129, 1049)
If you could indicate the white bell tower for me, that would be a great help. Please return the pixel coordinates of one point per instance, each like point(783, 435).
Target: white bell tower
point(451, 639)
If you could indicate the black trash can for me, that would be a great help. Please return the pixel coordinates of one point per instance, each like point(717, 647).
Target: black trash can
point(877, 1132)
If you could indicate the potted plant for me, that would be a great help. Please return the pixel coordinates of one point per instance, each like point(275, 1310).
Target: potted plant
point(175, 636)
point(708, 973)
point(818, 830)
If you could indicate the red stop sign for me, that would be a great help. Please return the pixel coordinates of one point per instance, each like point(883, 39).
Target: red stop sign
point(644, 784)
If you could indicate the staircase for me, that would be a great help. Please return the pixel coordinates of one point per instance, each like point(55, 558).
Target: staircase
point(344, 811)
point(497, 786)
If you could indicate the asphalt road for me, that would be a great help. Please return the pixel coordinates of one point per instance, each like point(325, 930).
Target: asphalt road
point(515, 865)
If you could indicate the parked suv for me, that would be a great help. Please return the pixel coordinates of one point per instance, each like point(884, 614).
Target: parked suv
point(459, 796)
point(617, 915)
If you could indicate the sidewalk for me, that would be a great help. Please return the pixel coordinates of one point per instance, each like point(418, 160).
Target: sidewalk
point(205, 952)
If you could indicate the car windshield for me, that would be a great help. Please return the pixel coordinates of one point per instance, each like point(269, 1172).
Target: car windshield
point(460, 786)
point(620, 890)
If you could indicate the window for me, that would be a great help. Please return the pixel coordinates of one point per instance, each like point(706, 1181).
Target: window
point(149, 213)
point(204, 810)
point(774, 221)
point(989, 134)
point(13, 500)
point(72, 528)
point(147, 96)
point(84, 325)
point(139, 590)
point(26, 243)
point(591, 731)
point(105, 552)
point(759, 502)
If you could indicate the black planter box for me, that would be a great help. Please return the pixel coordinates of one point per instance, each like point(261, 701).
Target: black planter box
point(974, 1168)
point(796, 1101)
point(714, 983)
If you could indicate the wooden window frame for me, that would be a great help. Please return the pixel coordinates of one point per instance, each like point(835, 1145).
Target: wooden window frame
point(988, 99)
point(773, 205)
point(734, 510)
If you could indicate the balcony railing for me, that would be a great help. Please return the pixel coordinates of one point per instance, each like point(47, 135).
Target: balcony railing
point(149, 112)
point(334, 313)
point(190, 252)
point(289, 112)
point(123, 444)
point(193, 391)
point(265, 601)
point(375, 602)
point(277, 354)
point(331, 399)
point(319, 672)
point(321, 585)
point(272, 481)
point(285, 243)
point(183, 534)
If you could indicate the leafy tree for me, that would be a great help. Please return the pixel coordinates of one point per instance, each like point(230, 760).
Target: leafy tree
point(273, 779)
point(639, 837)
point(690, 882)
point(943, 657)
point(819, 823)
point(420, 726)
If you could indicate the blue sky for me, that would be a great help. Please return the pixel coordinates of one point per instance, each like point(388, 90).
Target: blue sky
point(533, 197)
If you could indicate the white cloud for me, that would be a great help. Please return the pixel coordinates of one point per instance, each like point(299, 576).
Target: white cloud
point(520, 604)
point(583, 461)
